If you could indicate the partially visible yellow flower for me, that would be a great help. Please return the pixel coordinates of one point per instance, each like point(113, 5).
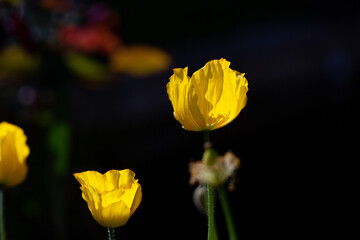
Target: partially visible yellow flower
point(210, 99)
point(13, 154)
point(111, 197)
point(140, 60)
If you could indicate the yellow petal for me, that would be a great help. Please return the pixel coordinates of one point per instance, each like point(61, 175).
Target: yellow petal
point(215, 85)
point(132, 197)
point(184, 100)
point(109, 198)
point(114, 215)
point(109, 210)
point(137, 200)
point(125, 179)
point(92, 197)
point(13, 154)
point(111, 180)
point(95, 180)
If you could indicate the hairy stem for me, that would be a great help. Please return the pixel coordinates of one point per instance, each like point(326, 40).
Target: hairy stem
point(111, 233)
point(211, 217)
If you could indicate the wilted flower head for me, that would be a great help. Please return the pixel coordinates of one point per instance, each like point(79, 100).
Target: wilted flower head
point(13, 154)
point(111, 197)
point(217, 172)
point(210, 99)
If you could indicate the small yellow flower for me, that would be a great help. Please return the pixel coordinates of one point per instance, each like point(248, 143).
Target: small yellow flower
point(210, 99)
point(111, 197)
point(13, 154)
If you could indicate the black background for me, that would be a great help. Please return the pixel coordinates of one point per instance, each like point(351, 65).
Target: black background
point(294, 136)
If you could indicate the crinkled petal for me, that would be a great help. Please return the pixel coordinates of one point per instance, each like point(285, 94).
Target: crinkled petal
point(93, 179)
point(112, 216)
point(125, 179)
point(132, 197)
point(184, 100)
point(108, 210)
point(111, 197)
point(221, 92)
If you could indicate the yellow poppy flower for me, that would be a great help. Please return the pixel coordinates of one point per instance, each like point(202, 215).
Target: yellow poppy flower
point(13, 154)
point(210, 99)
point(111, 197)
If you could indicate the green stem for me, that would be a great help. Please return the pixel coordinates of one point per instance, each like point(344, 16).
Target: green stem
point(111, 233)
point(2, 223)
point(210, 201)
point(227, 212)
point(206, 136)
point(211, 217)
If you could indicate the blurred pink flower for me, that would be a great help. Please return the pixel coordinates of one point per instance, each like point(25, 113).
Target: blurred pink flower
point(100, 13)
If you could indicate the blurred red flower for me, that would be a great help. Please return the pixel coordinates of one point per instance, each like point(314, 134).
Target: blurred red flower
point(89, 39)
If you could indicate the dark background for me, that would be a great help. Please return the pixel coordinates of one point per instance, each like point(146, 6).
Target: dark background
point(301, 59)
